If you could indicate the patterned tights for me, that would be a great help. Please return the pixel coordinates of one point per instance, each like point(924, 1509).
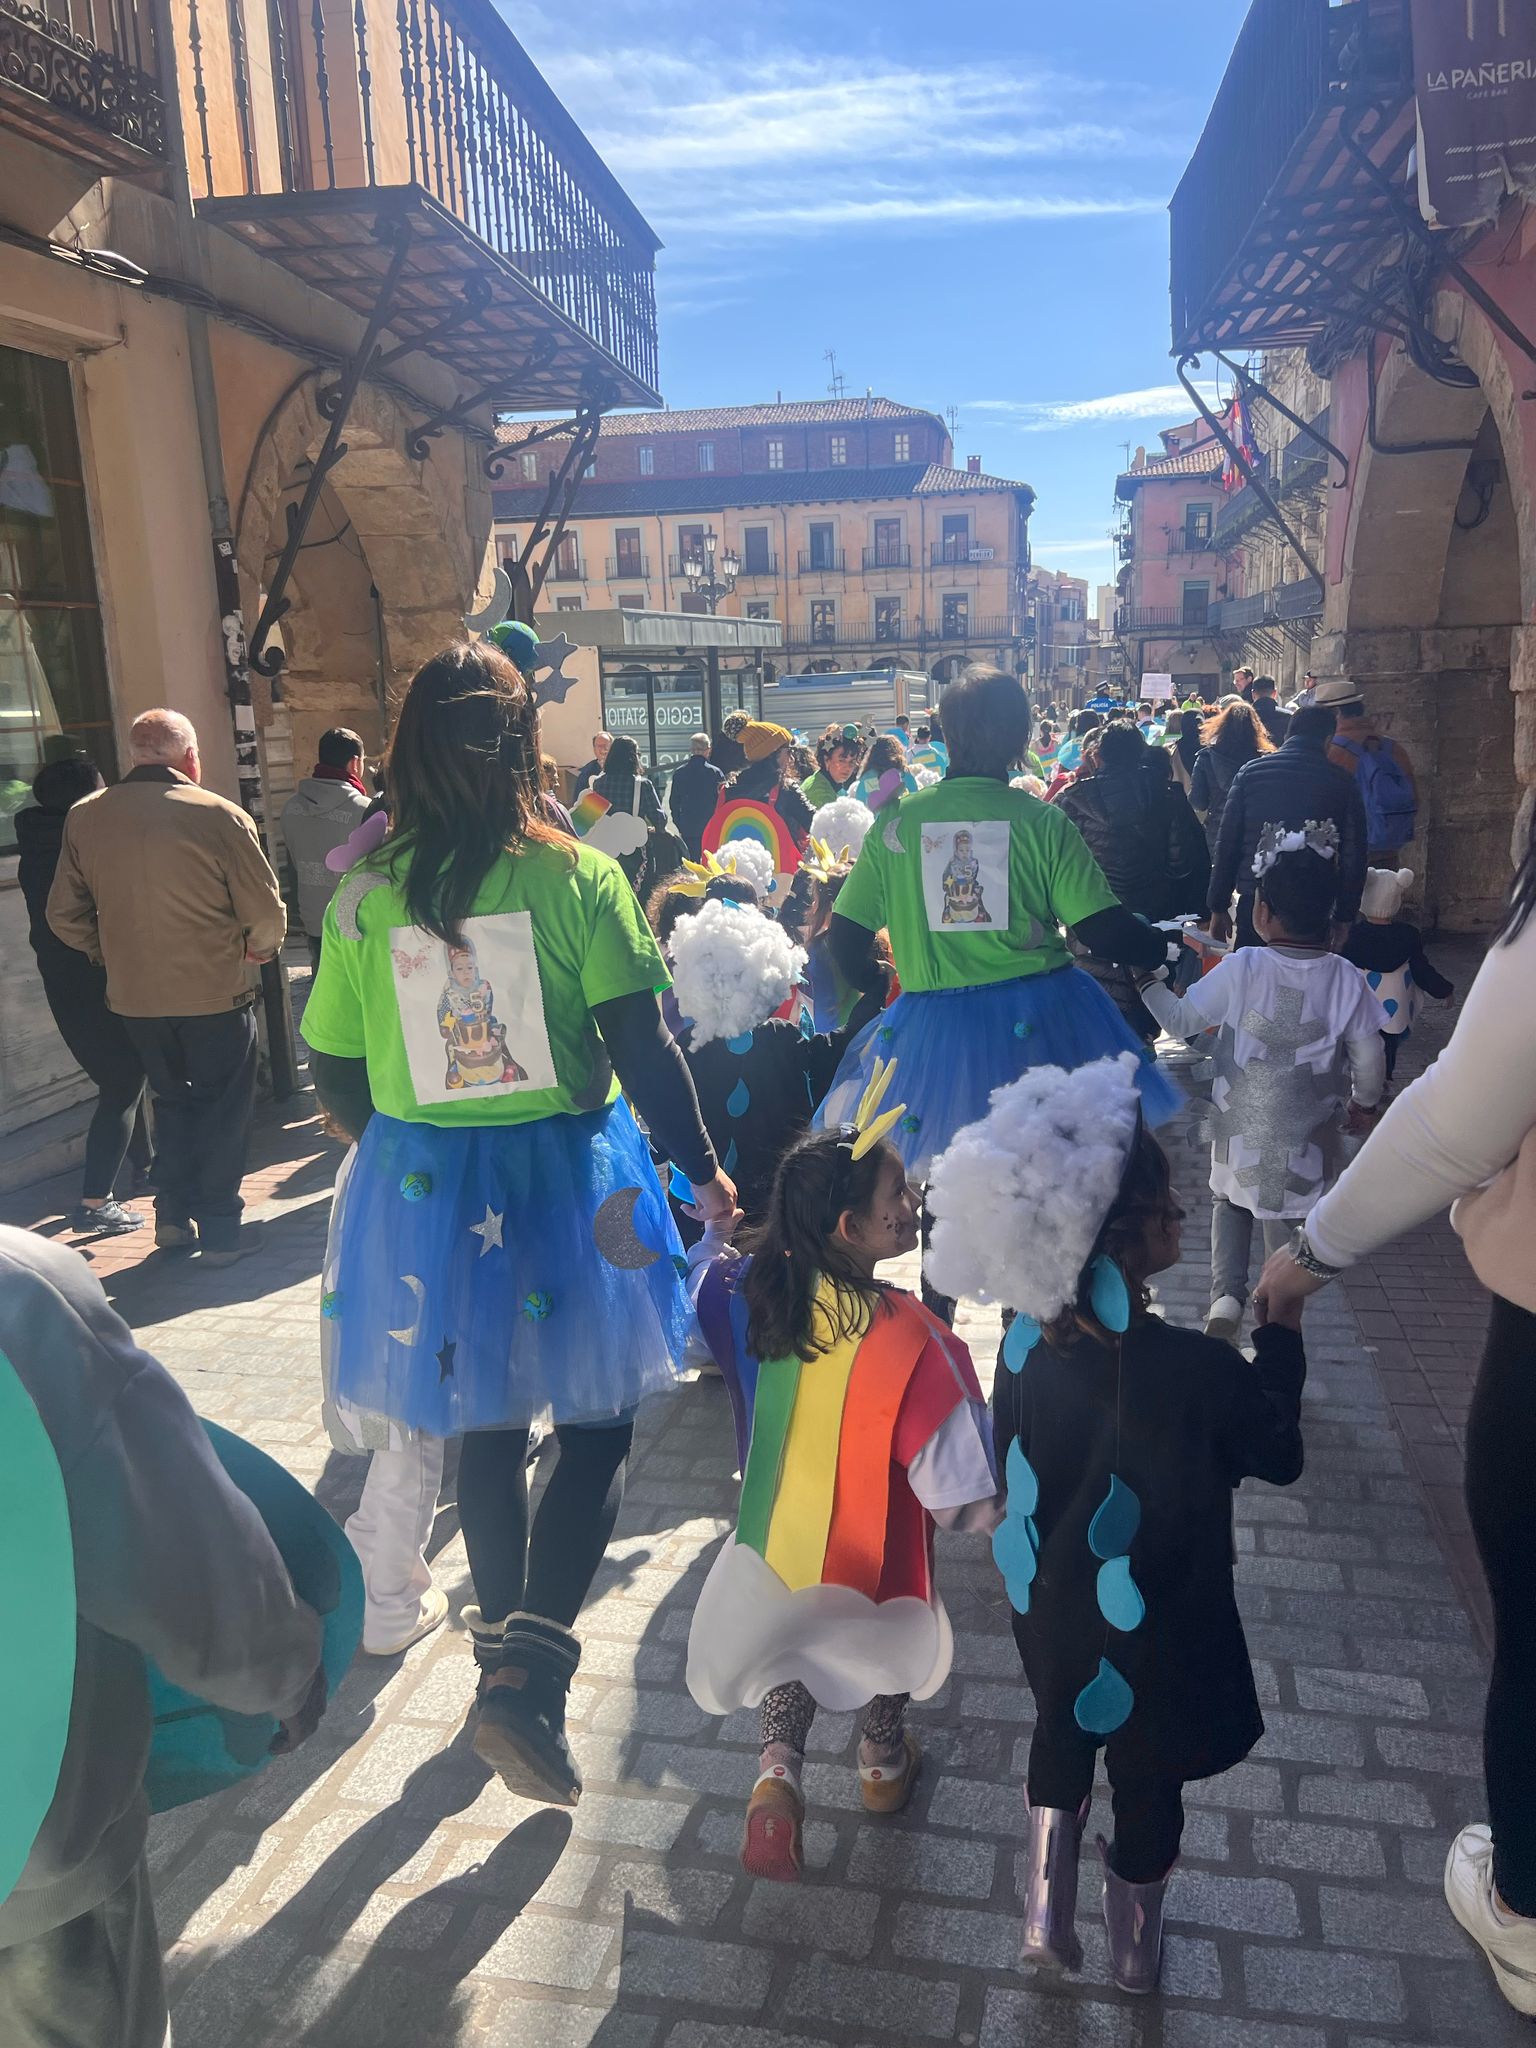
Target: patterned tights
point(788, 1712)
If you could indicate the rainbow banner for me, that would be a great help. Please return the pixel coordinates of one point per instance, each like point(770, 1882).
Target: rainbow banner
point(587, 809)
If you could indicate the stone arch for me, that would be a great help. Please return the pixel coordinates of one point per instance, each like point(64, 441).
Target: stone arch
point(389, 569)
point(1427, 615)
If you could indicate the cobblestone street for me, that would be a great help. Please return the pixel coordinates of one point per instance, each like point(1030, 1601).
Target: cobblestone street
point(377, 1890)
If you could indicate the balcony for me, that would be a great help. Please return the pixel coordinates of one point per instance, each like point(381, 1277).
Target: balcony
point(83, 77)
point(1299, 600)
point(823, 561)
point(888, 557)
point(406, 155)
point(765, 564)
point(566, 572)
point(629, 569)
point(958, 554)
point(911, 632)
point(1157, 618)
point(1191, 540)
point(1277, 215)
point(1242, 614)
point(1300, 464)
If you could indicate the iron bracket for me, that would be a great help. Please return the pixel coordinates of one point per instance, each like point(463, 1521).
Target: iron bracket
point(332, 449)
point(549, 527)
point(1248, 384)
point(538, 357)
point(1181, 370)
point(477, 295)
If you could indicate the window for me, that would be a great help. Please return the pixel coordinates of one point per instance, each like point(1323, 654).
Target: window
point(706, 455)
point(824, 619)
point(567, 604)
point(690, 545)
point(1071, 608)
point(509, 548)
point(1197, 527)
point(888, 551)
point(759, 608)
point(590, 470)
point(647, 461)
point(632, 603)
point(887, 618)
point(955, 546)
point(956, 622)
point(567, 567)
point(901, 447)
point(1197, 604)
point(756, 560)
point(693, 601)
point(775, 454)
point(838, 450)
point(53, 665)
point(626, 551)
point(530, 466)
point(823, 535)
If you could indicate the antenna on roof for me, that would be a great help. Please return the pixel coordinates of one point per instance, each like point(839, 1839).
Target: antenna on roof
point(952, 414)
point(837, 382)
point(1127, 447)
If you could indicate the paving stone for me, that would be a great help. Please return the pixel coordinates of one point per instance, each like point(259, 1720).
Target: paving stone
point(1397, 1653)
point(844, 1997)
point(522, 2023)
point(648, 1712)
point(1367, 1693)
point(1206, 2030)
point(827, 1918)
point(1426, 1749)
point(1250, 1787)
point(1307, 1574)
point(1372, 1920)
point(1379, 1799)
point(956, 1935)
point(1245, 1905)
point(984, 1701)
point(694, 1972)
point(963, 1803)
point(1337, 1544)
point(1306, 1845)
point(568, 1954)
point(1289, 1978)
point(917, 1861)
point(1042, 2018)
point(1311, 1739)
point(686, 1898)
point(631, 1822)
point(697, 2034)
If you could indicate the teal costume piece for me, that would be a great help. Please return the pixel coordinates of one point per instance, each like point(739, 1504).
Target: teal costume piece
point(197, 1748)
point(39, 1681)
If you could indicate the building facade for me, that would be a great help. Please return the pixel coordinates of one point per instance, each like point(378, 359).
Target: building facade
point(1059, 651)
point(850, 524)
point(1173, 573)
point(265, 289)
point(1315, 236)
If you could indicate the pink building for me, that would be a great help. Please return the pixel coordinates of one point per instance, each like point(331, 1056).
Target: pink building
point(1171, 574)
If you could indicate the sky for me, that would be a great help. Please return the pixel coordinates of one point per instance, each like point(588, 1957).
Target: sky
point(968, 204)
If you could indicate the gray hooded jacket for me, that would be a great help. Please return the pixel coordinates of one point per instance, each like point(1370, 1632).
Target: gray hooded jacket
point(318, 816)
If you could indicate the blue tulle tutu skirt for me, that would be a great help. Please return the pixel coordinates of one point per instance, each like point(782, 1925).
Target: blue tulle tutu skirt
point(491, 1275)
point(955, 1046)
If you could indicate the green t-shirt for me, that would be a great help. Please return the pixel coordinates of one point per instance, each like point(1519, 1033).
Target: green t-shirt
point(501, 1031)
point(973, 880)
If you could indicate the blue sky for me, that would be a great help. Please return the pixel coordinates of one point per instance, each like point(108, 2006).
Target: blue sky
point(967, 204)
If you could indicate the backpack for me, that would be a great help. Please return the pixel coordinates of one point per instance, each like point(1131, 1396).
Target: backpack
point(1390, 806)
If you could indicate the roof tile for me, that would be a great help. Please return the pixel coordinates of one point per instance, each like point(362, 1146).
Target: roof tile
point(713, 493)
point(717, 418)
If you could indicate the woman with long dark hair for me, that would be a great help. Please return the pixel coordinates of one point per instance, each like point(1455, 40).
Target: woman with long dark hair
point(503, 1248)
point(1227, 741)
point(1465, 1133)
point(624, 788)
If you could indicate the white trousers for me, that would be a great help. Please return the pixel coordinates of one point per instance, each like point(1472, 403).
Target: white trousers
point(390, 1532)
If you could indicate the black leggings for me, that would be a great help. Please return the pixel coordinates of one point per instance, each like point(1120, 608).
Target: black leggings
point(1149, 1811)
point(1501, 1440)
point(546, 1571)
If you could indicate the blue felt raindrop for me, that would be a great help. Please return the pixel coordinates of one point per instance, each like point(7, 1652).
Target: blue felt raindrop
point(728, 1163)
point(1120, 1602)
point(1109, 1297)
point(1023, 1482)
point(1113, 1528)
point(1021, 1337)
point(680, 1187)
point(1016, 1552)
point(1105, 1702)
point(738, 1101)
point(742, 1042)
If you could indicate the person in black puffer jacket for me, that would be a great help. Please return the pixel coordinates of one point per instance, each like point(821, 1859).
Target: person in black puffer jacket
point(1229, 741)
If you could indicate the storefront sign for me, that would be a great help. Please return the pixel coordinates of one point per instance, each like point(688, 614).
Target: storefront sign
point(1475, 81)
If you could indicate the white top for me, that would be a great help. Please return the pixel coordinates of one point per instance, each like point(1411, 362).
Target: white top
point(1455, 1128)
point(1299, 1033)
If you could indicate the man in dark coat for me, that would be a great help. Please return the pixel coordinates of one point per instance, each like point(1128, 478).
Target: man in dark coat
point(1265, 701)
point(694, 792)
point(1296, 783)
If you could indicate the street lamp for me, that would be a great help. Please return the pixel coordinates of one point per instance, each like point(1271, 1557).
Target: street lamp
point(702, 578)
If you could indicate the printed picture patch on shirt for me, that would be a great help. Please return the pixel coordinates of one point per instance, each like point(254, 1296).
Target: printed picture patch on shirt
point(472, 1016)
point(965, 876)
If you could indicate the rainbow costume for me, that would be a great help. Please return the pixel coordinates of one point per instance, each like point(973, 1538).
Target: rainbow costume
point(848, 1459)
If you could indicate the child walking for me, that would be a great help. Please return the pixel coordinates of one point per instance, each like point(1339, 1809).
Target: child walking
point(860, 1425)
point(1300, 1037)
point(1389, 951)
point(1122, 1439)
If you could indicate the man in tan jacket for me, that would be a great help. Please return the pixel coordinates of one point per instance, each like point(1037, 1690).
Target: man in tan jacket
point(165, 884)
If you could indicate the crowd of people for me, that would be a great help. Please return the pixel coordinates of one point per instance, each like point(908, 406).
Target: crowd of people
point(608, 1120)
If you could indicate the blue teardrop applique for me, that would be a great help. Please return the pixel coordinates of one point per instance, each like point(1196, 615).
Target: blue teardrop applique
point(1120, 1601)
point(742, 1042)
point(1407, 977)
point(1391, 1006)
point(1016, 1553)
point(728, 1163)
point(1109, 1297)
point(1105, 1702)
point(1116, 1520)
point(1021, 1337)
point(807, 1025)
point(1374, 980)
point(739, 1100)
point(1022, 1480)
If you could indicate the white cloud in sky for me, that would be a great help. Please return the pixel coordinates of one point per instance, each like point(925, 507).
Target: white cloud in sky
point(1070, 547)
point(1165, 403)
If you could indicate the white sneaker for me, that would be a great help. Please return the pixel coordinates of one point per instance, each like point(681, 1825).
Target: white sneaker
point(432, 1613)
point(1507, 1940)
point(1225, 1318)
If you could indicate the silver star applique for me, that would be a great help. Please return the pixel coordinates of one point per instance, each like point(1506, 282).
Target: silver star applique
point(552, 655)
point(489, 1232)
point(1274, 1106)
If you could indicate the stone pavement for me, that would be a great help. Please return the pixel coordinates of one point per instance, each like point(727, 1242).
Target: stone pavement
point(377, 1890)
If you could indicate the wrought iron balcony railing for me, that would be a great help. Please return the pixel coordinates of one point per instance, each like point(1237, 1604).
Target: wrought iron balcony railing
point(566, 571)
point(298, 106)
point(628, 569)
point(888, 556)
point(766, 564)
point(823, 561)
point(913, 631)
point(1160, 618)
point(84, 77)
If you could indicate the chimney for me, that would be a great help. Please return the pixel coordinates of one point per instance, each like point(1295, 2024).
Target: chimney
point(973, 465)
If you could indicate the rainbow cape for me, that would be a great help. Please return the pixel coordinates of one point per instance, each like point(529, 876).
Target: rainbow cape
point(587, 809)
point(745, 817)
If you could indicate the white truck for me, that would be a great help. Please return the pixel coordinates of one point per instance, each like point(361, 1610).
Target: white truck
point(872, 699)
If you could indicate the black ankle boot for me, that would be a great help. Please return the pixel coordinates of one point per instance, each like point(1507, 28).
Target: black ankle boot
point(521, 1729)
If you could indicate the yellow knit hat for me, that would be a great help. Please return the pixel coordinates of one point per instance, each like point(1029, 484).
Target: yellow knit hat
point(759, 740)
